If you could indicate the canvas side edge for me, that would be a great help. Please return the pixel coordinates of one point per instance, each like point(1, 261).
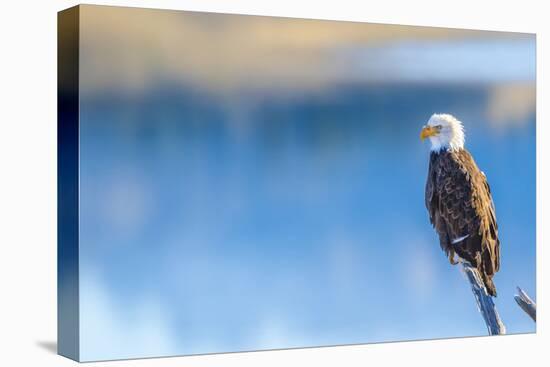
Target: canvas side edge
point(68, 341)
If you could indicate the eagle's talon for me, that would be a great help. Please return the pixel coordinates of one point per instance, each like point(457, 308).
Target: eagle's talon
point(452, 259)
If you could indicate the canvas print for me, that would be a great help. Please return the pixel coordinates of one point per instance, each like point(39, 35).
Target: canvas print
point(238, 183)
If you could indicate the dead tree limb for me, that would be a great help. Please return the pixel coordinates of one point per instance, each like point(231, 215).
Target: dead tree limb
point(526, 304)
point(485, 303)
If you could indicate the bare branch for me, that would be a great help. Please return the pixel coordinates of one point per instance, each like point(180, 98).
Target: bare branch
point(526, 304)
point(485, 303)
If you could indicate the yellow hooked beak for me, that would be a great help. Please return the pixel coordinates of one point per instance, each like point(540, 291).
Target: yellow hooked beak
point(428, 131)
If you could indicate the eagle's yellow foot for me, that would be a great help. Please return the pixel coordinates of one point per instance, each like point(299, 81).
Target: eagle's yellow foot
point(452, 258)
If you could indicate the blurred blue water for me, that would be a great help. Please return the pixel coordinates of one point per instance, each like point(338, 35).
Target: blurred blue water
point(285, 220)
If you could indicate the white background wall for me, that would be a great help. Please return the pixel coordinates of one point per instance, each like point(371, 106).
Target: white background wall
point(28, 181)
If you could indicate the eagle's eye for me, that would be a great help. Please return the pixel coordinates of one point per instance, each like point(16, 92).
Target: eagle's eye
point(438, 127)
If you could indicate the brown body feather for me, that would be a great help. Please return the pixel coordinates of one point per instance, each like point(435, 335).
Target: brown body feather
point(458, 199)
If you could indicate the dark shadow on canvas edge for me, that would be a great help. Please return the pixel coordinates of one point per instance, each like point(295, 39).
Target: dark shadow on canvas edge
point(48, 345)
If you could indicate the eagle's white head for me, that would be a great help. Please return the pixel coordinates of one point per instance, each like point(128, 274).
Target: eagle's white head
point(444, 131)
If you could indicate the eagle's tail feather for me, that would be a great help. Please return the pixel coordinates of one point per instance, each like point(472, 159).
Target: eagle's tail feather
point(489, 285)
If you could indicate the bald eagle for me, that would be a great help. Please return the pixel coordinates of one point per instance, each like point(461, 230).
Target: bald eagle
point(459, 202)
